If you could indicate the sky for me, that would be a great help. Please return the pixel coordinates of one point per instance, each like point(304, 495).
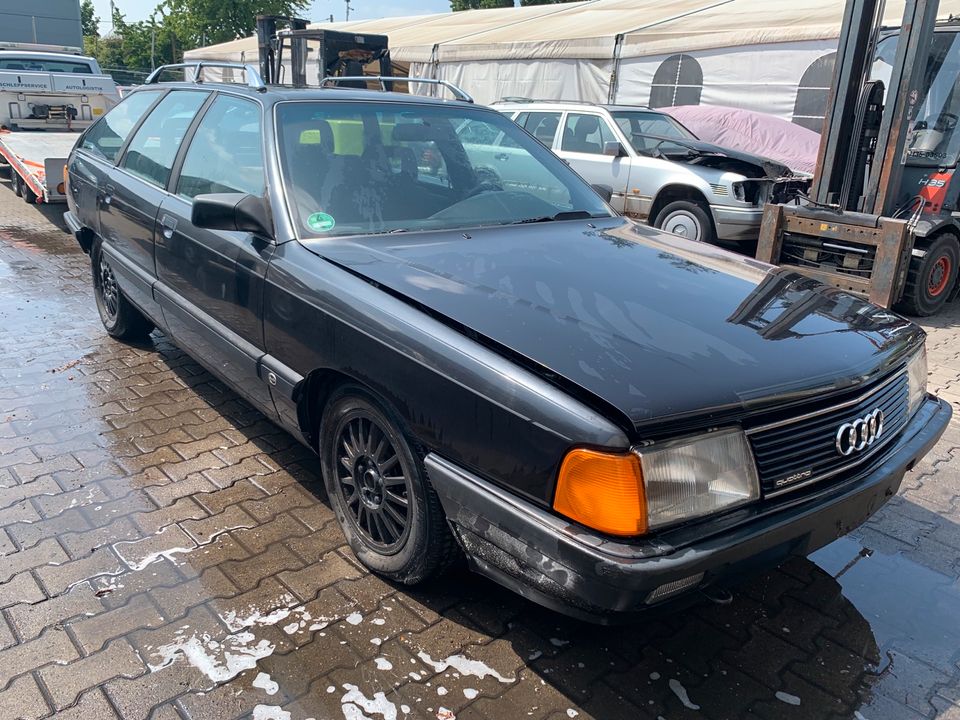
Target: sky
point(320, 10)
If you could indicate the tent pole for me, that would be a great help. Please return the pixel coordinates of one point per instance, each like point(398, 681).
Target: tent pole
point(615, 71)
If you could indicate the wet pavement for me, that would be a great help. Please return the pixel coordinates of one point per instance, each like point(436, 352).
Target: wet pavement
point(169, 553)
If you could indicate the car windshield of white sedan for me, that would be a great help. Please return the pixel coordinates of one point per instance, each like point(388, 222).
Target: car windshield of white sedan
point(647, 131)
point(363, 168)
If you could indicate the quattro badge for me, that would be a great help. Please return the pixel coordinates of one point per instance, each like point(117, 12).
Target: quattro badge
point(861, 433)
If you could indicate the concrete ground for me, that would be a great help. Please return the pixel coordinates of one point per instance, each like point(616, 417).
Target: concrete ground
point(168, 553)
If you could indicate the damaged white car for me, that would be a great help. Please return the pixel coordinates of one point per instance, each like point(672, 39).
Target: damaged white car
point(655, 169)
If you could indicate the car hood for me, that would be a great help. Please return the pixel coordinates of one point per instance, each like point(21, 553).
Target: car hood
point(657, 327)
point(704, 151)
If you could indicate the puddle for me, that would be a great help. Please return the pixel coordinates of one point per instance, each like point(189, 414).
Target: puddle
point(907, 605)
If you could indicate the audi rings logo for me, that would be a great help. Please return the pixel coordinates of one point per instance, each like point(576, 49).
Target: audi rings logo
point(861, 433)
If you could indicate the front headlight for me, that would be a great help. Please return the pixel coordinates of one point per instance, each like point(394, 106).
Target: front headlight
point(916, 380)
point(632, 493)
point(686, 479)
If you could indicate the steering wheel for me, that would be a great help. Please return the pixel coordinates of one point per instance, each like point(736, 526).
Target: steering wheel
point(946, 122)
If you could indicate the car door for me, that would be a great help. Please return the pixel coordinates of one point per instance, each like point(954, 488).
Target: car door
point(133, 191)
point(98, 150)
point(581, 145)
point(210, 282)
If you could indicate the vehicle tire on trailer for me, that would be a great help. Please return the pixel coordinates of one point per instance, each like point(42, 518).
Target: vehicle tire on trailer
point(28, 194)
point(15, 182)
point(379, 491)
point(687, 218)
point(120, 318)
point(931, 278)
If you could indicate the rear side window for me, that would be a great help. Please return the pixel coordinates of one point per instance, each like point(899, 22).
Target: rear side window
point(226, 153)
point(151, 153)
point(542, 125)
point(107, 136)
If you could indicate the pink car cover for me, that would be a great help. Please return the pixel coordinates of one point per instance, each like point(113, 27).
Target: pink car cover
point(754, 132)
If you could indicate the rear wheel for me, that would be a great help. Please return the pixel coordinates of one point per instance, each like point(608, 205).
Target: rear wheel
point(688, 219)
point(379, 491)
point(931, 278)
point(15, 182)
point(119, 317)
point(28, 194)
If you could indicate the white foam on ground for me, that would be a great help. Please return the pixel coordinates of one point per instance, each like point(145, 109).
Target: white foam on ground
point(464, 666)
point(354, 704)
point(270, 712)
point(263, 681)
point(383, 664)
point(470, 693)
point(255, 616)
point(681, 692)
point(218, 660)
point(354, 618)
point(787, 698)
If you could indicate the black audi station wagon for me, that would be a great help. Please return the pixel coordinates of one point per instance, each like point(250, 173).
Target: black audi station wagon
point(488, 361)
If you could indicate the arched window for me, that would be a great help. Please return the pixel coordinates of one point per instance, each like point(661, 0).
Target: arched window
point(810, 106)
point(678, 81)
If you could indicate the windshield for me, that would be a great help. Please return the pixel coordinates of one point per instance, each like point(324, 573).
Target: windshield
point(934, 139)
point(40, 65)
point(362, 168)
point(646, 130)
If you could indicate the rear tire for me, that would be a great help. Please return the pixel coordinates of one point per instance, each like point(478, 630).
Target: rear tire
point(931, 278)
point(15, 182)
point(379, 491)
point(687, 218)
point(28, 195)
point(119, 317)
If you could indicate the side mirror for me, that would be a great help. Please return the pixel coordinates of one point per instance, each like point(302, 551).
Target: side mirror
point(612, 148)
point(232, 211)
point(604, 191)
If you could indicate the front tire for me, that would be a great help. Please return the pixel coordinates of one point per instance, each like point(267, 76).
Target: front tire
point(931, 278)
point(379, 491)
point(119, 317)
point(686, 218)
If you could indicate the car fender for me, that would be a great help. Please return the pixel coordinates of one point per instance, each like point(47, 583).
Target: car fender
point(458, 396)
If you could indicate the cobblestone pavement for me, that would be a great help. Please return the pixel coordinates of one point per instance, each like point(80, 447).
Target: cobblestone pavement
point(169, 553)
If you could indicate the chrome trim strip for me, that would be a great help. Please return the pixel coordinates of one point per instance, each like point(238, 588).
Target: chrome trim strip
point(816, 413)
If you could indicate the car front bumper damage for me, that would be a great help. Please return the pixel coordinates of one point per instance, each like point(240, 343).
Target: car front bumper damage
point(584, 574)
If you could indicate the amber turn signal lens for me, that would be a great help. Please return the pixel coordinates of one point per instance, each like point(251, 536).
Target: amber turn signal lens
point(603, 491)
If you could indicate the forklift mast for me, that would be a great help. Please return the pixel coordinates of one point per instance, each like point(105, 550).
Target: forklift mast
point(867, 227)
point(338, 53)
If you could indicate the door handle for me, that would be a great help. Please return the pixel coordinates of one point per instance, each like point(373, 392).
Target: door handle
point(169, 225)
point(502, 156)
point(108, 194)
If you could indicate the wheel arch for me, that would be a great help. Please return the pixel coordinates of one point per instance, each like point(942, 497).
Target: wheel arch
point(677, 191)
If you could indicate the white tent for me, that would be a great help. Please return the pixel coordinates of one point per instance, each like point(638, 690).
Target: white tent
point(768, 55)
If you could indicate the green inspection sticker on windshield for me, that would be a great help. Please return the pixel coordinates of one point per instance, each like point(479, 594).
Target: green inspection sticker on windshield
point(321, 222)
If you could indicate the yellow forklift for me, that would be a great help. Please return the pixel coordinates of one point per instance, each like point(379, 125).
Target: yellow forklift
point(883, 215)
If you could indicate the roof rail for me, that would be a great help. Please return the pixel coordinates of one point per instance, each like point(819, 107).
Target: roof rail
point(252, 74)
point(516, 99)
point(458, 93)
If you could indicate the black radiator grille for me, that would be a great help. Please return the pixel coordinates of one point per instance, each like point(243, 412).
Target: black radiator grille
point(795, 452)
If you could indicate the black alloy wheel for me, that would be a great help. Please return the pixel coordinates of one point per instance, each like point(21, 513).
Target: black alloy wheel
point(373, 482)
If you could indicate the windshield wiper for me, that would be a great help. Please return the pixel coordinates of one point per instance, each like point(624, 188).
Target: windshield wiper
point(565, 215)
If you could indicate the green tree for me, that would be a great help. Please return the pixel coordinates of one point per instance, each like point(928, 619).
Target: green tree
point(89, 20)
point(205, 22)
point(479, 4)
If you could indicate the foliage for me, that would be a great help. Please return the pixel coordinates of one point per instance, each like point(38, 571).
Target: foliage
point(477, 4)
point(173, 27)
point(89, 20)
